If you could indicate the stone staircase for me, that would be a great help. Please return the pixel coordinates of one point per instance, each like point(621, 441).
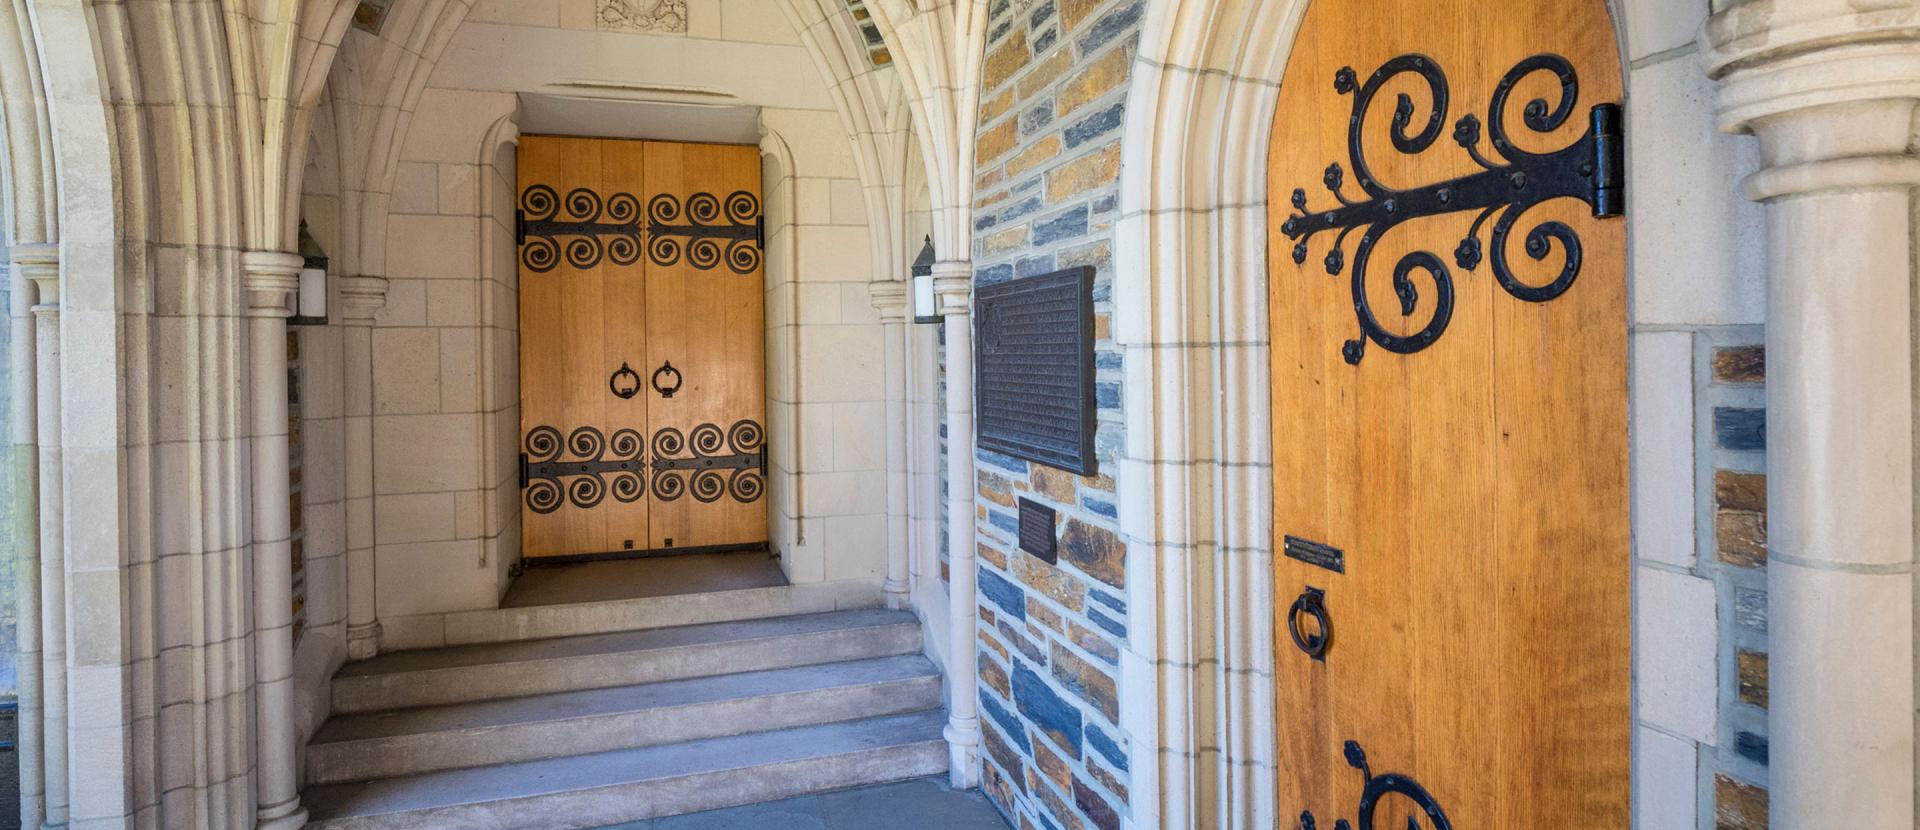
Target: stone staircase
point(588, 731)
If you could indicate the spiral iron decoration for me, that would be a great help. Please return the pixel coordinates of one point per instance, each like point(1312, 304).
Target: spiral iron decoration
point(1376, 789)
point(716, 463)
point(584, 229)
point(1515, 181)
point(581, 470)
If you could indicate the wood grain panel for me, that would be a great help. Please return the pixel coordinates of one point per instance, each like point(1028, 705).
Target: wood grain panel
point(1478, 487)
point(709, 322)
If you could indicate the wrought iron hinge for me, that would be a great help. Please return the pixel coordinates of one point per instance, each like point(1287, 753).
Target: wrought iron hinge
point(763, 461)
point(519, 227)
point(760, 232)
point(526, 471)
point(1609, 162)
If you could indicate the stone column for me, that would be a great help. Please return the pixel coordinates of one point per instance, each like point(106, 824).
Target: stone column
point(272, 278)
point(953, 280)
point(41, 266)
point(360, 299)
point(25, 472)
point(890, 299)
point(1830, 92)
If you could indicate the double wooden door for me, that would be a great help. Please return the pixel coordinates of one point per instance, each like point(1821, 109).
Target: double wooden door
point(1448, 318)
point(641, 346)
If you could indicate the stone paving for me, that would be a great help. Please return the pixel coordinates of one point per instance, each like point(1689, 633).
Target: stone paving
point(920, 803)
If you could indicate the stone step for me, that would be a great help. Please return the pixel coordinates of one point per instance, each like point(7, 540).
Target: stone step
point(366, 746)
point(461, 674)
point(586, 791)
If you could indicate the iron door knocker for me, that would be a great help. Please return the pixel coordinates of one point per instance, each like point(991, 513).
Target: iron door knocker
point(666, 368)
point(1312, 601)
point(624, 383)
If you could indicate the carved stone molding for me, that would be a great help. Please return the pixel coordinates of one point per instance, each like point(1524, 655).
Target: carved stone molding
point(953, 284)
point(271, 280)
point(361, 298)
point(889, 297)
point(660, 17)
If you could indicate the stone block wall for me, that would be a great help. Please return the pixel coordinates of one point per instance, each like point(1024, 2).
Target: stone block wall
point(1053, 97)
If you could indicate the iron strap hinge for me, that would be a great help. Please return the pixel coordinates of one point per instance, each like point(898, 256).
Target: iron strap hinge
point(760, 232)
point(526, 471)
point(1609, 162)
point(519, 227)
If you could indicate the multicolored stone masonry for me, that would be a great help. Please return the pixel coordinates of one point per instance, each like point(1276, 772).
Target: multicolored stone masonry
point(1053, 98)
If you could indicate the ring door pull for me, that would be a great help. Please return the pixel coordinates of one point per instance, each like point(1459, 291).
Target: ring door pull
point(1312, 602)
point(666, 370)
point(624, 383)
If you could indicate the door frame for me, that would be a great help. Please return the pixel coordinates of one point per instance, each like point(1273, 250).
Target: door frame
point(1198, 701)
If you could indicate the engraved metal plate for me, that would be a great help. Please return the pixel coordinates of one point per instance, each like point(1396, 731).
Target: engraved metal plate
point(1315, 553)
point(1033, 369)
point(1036, 530)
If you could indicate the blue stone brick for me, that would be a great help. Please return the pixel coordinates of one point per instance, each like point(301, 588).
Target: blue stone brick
point(1025, 185)
point(1107, 600)
point(1012, 601)
point(1049, 712)
point(1107, 747)
point(1045, 40)
point(984, 221)
point(1008, 723)
point(1107, 395)
point(1020, 208)
point(1099, 507)
point(1109, 26)
point(1004, 462)
point(1036, 118)
point(992, 275)
point(1103, 291)
point(1113, 626)
point(1095, 125)
point(998, 8)
point(1107, 360)
point(1065, 225)
point(1736, 428)
point(999, 31)
point(1029, 266)
point(1107, 203)
point(1004, 520)
point(1041, 14)
point(1751, 747)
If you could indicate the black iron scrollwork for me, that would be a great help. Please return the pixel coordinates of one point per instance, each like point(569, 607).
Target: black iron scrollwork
point(1312, 603)
point(1590, 169)
point(611, 228)
point(624, 383)
point(672, 375)
point(583, 469)
point(731, 463)
point(710, 221)
point(1376, 789)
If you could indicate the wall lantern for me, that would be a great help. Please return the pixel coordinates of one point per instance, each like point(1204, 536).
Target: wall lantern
point(310, 302)
point(926, 306)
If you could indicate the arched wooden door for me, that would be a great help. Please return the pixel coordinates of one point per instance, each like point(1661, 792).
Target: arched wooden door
point(1448, 311)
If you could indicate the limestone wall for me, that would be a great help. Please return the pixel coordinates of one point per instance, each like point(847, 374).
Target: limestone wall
point(1053, 97)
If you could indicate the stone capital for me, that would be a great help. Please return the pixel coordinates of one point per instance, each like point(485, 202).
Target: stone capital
point(271, 279)
point(1829, 90)
point(889, 297)
point(953, 284)
point(39, 263)
point(361, 298)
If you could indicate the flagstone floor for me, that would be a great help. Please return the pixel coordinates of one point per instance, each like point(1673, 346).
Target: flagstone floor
point(920, 804)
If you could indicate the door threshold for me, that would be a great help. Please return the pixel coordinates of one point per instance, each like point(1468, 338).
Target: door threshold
point(618, 555)
point(644, 576)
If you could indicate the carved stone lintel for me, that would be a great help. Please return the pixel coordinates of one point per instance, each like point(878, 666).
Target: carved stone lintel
point(271, 280)
point(953, 284)
point(361, 298)
point(890, 299)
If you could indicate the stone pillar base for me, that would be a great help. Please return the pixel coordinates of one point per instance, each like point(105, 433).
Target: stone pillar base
point(363, 641)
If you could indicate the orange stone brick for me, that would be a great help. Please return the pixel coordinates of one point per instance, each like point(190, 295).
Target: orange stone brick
point(1005, 60)
point(1740, 538)
point(995, 142)
point(1099, 78)
point(1050, 581)
point(1049, 764)
point(1738, 805)
point(1038, 153)
point(1740, 491)
point(996, 678)
point(1074, 11)
point(1084, 173)
point(988, 554)
point(1753, 677)
point(996, 106)
point(1740, 364)
point(1045, 73)
point(1011, 239)
point(1038, 611)
point(1058, 485)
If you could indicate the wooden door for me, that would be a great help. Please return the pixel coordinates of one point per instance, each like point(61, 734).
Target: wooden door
point(1447, 297)
point(641, 370)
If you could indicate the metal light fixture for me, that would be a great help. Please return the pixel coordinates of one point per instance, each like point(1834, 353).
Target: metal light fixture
point(926, 306)
point(310, 302)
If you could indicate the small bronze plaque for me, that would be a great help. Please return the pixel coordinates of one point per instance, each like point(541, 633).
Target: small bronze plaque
point(1033, 369)
point(1315, 553)
point(1036, 530)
